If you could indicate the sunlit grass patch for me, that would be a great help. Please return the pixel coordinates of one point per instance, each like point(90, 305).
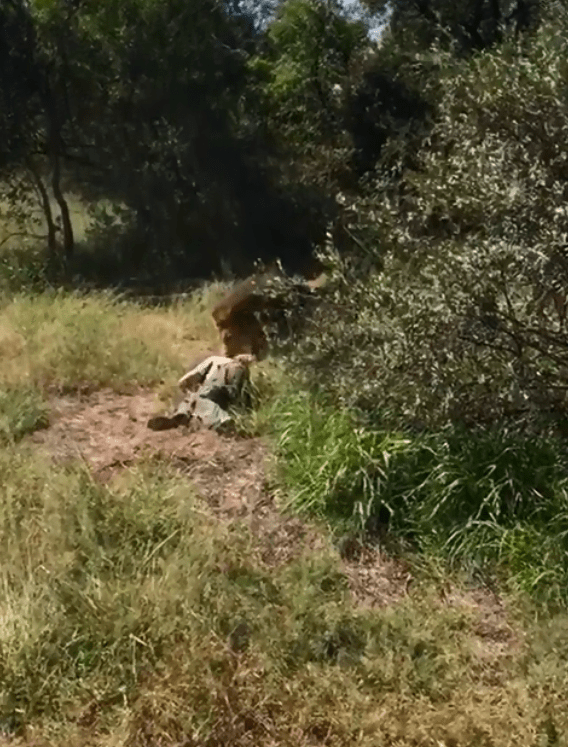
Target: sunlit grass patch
point(129, 616)
point(76, 558)
point(71, 340)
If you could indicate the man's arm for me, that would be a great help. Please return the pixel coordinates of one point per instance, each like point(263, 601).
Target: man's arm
point(192, 379)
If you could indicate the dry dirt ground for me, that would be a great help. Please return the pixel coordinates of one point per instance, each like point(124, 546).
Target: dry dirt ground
point(109, 432)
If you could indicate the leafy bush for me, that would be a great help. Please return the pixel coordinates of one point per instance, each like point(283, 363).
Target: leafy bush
point(446, 326)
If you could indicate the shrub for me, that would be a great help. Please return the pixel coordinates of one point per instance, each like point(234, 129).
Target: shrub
point(437, 322)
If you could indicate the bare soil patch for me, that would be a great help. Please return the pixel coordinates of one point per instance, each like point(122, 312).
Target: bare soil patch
point(108, 431)
point(105, 429)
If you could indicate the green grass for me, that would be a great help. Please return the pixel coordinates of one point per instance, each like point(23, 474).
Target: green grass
point(486, 501)
point(23, 410)
point(129, 616)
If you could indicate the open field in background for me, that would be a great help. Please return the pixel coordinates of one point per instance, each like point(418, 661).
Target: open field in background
point(80, 217)
point(151, 603)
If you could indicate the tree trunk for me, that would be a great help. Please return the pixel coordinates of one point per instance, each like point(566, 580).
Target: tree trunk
point(46, 207)
point(54, 145)
point(68, 238)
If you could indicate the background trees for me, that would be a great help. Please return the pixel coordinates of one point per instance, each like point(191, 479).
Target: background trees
point(205, 136)
point(152, 106)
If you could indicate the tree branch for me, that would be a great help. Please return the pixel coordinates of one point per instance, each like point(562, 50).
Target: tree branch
point(22, 233)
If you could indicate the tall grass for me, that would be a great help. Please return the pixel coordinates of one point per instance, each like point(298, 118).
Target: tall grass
point(480, 499)
point(71, 340)
point(129, 617)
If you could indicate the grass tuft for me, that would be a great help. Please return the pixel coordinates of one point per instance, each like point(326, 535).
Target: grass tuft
point(478, 499)
point(23, 410)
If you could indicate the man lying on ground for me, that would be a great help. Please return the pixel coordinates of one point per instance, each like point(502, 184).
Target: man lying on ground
point(213, 386)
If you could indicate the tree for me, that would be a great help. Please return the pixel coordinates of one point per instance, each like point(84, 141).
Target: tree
point(31, 119)
point(309, 48)
point(460, 26)
point(151, 104)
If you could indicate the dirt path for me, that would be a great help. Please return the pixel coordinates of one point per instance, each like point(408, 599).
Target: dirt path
point(109, 432)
